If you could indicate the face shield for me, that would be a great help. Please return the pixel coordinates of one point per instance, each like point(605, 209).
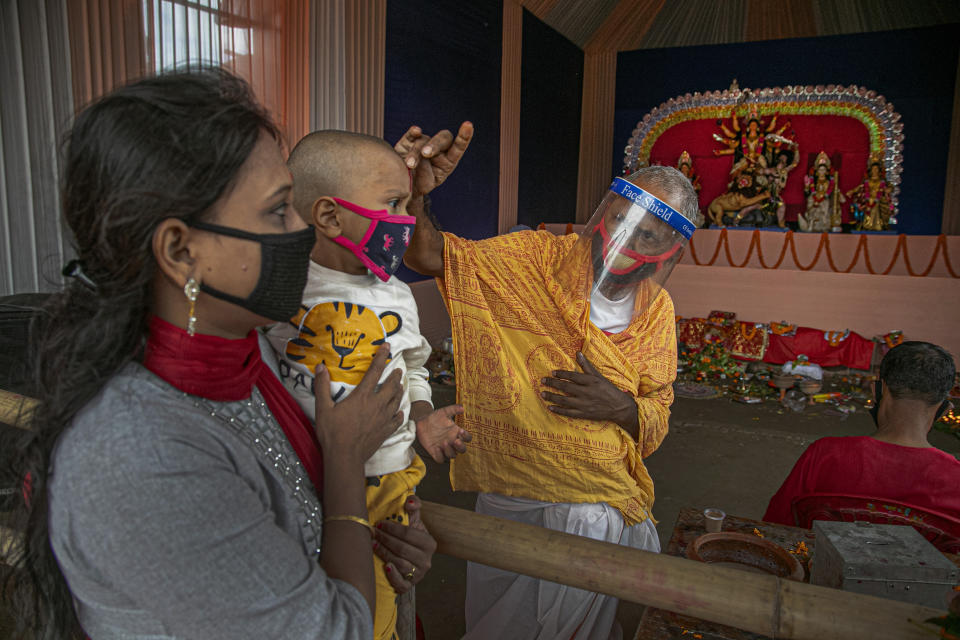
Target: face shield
point(628, 248)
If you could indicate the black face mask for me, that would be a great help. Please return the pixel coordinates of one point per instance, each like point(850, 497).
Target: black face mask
point(875, 409)
point(284, 265)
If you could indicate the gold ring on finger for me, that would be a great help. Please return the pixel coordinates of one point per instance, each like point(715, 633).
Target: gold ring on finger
point(408, 577)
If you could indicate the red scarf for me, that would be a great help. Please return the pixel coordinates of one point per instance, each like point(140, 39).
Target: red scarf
point(226, 371)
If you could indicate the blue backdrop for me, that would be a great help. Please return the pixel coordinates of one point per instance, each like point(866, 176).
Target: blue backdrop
point(915, 69)
point(550, 96)
point(443, 67)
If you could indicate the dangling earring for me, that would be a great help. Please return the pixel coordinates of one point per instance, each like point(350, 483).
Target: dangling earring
point(191, 289)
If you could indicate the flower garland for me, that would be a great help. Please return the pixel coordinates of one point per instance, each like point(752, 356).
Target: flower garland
point(712, 362)
point(783, 329)
point(834, 338)
point(812, 185)
point(824, 244)
point(748, 336)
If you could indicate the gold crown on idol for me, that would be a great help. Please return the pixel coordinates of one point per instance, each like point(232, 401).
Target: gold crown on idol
point(875, 158)
point(684, 160)
point(822, 158)
point(754, 114)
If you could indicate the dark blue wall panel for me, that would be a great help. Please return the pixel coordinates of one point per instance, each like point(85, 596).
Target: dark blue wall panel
point(552, 85)
point(915, 69)
point(443, 67)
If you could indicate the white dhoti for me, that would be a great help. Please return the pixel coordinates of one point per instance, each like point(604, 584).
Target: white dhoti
point(510, 606)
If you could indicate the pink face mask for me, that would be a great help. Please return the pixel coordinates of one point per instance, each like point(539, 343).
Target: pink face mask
point(639, 258)
point(386, 240)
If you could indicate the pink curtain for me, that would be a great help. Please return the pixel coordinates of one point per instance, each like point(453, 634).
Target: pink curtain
point(264, 41)
point(106, 46)
point(267, 43)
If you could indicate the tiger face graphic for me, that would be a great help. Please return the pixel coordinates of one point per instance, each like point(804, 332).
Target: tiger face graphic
point(343, 336)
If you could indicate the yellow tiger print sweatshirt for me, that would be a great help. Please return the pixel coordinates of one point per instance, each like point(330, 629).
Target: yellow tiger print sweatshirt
point(343, 319)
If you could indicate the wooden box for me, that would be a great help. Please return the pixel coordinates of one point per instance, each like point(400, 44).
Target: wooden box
point(890, 561)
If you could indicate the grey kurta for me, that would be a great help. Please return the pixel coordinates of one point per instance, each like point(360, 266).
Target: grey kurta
point(170, 520)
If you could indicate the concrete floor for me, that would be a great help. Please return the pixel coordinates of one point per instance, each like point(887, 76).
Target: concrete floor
point(718, 453)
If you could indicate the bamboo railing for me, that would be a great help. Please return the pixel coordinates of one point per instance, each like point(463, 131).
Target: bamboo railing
point(15, 409)
point(759, 603)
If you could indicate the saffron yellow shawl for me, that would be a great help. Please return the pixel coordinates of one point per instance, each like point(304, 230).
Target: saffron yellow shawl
point(515, 320)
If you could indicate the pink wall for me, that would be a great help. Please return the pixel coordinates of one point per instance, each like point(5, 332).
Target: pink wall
point(923, 308)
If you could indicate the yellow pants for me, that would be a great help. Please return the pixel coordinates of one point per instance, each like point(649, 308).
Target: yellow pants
point(386, 496)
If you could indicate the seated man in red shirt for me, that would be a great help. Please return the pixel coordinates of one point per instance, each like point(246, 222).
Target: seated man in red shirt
point(896, 463)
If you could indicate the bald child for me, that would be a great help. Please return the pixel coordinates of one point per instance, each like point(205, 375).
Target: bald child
point(353, 190)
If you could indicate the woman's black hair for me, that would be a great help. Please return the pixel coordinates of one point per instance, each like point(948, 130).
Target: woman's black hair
point(161, 147)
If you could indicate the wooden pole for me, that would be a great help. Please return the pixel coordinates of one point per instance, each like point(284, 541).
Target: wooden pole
point(15, 409)
point(753, 602)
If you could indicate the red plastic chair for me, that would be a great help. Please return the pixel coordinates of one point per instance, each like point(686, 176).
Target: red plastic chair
point(942, 530)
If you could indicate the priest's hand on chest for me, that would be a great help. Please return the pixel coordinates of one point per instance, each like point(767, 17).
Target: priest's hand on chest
point(589, 395)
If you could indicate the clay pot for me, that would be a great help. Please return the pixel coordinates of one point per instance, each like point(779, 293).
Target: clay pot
point(810, 387)
point(784, 381)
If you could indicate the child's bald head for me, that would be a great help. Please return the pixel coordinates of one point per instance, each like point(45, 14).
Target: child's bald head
point(331, 163)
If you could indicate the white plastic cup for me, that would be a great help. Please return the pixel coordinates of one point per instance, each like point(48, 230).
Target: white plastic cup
point(713, 519)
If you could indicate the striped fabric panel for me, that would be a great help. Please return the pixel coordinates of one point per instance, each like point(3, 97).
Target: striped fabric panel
point(328, 76)
point(626, 26)
point(106, 46)
point(578, 20)
point(783, 19)
point(511, 64)
point(697, 22)
point(596, 129)
point(36, 104)
point(57, 55)
point(539, 8)
point(860, 16)
point(366, 24)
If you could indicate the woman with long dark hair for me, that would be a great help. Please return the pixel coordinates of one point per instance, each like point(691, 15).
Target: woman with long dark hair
point(173, 488)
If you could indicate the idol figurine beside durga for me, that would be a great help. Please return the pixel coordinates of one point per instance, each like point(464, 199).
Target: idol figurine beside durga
point(685, 166)
point(871, 207)
point(823, 197)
